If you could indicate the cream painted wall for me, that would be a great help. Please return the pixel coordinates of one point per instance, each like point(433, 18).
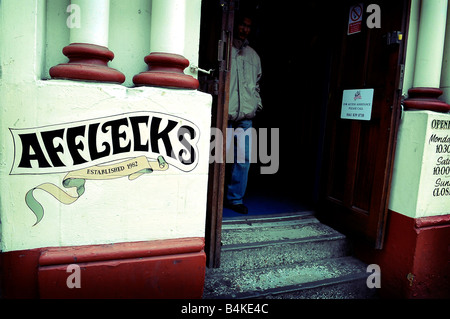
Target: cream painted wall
point(411, 48)
point(430, 43)
point(129, 34)
point(160, 205)
point(421, 162)
point(168, 204)
point(445, 73)
point(413, 190)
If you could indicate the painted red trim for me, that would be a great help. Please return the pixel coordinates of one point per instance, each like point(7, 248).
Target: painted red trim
point(166, 70)
point(160, 61)
point(179, 276)
point(173, 268)
point(80, 254)
point(427, 104)
point(18, 276)
point(415, 260)
point(424, 92)
point(432, 221)
point(79, 51)
point(423, 98)
point(87, 62)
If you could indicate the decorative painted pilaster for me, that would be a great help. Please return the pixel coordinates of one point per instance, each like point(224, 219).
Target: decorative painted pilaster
point(88, 51)
point(445, 72)
point(430, 47)
point(165, 61)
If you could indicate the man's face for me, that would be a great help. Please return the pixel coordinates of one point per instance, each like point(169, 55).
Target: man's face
point(244, 28)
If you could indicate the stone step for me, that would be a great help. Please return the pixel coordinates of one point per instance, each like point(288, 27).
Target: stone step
point(339, 278)
point(256, 229)
point(254, 219)
point(285, 256)
point(268, 242)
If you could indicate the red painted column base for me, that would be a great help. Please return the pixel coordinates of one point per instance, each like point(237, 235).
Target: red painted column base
point(166, 70)
point(424, 98)
point(87, 62)
point(160, 269)
point(415, 259)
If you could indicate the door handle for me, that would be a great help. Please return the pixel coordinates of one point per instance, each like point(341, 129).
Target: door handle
point(195, 68)
point(394, 37)
point(224, 51)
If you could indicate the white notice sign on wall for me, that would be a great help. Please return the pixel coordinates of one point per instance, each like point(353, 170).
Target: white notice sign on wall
point(357, 104)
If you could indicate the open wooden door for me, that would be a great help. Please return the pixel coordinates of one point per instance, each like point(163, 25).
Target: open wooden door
point(215, 49)
point(358, 154)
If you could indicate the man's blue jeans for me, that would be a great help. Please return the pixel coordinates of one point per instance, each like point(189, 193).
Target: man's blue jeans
point(241, 137)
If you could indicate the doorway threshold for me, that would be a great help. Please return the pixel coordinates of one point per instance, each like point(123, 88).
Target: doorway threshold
point(268, 203)
point(276, 217)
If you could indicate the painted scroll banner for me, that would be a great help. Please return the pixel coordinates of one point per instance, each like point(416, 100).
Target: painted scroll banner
point(133, 168)
point(100, 149)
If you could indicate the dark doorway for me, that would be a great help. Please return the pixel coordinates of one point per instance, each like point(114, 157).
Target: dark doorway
point(341, 168)
point(294, 43)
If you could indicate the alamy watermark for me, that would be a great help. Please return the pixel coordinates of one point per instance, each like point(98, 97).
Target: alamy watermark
point(74, 19)
point(247, 146)
point(74, 279)
point(374, 279)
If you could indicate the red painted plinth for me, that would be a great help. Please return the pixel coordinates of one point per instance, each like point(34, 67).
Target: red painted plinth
point(415, 259)
point(426, 99)
point(160, 269)
point(166, 70)
point(87, 62)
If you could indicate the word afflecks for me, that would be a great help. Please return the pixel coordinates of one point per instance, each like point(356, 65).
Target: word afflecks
point(72, 146)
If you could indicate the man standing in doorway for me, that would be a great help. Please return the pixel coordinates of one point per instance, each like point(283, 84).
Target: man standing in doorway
point(244, 102)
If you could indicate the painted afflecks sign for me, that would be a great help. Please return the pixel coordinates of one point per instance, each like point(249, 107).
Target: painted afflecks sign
point(124, 145)
point(357, 104)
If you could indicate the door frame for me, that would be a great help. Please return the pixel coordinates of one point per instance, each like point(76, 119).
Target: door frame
point(216, 180)
point(397, 109)
point(213, 233)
